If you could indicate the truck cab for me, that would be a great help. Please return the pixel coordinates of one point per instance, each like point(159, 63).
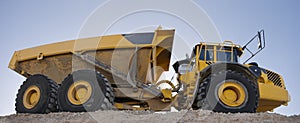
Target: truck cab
point(219, 82)
point(208, 53)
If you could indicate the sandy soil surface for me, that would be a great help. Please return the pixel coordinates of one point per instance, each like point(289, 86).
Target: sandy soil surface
point(148, 117)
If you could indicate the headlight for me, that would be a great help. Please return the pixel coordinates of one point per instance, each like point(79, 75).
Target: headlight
point(183, 68)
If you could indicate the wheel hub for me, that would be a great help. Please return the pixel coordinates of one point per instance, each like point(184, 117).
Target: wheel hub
point(232, 94)
point(31, 97)
point(79, 92)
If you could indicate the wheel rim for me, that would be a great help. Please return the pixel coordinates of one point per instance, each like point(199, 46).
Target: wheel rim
point(232, 94)
point(31, 97)
point(79, 92)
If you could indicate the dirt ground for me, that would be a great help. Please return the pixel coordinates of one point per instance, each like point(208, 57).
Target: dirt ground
point(148, 117)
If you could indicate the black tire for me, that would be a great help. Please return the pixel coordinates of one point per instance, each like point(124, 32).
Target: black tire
point(101, 96)
point(48, 95)
point(207, 93)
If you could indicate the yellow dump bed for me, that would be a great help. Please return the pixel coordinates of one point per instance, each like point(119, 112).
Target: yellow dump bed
point(146, 55)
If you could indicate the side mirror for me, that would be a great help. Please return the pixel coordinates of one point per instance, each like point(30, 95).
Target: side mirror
point(187, 56)
point(260, 34)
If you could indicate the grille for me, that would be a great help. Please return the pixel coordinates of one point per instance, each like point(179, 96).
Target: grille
point(275, 78)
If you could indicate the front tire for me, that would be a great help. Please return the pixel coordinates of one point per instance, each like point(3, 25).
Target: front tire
point(227, 91)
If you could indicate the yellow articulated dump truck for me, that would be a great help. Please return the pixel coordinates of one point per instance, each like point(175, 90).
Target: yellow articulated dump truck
point(124, 72)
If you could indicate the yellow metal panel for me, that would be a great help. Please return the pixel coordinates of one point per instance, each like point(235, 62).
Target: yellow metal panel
point(46, 50)
point(160, 35)
point(13, 61)
point(102, 42)
point(167, 93)
point(202, 65)
point(273, 93)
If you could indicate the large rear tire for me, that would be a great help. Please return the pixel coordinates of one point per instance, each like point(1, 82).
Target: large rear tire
point(38, 94)
point(227, 91)
point(85, 90)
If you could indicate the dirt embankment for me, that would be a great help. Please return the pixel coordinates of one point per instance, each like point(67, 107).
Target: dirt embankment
point(146, 116)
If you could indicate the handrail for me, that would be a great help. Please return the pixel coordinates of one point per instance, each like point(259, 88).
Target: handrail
point(228, 42)
point(261, 44)
point(224, 43)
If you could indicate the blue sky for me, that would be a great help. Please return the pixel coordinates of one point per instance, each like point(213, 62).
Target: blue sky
point(31, 23)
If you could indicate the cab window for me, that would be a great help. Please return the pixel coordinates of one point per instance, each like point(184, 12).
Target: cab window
point(207, 54)
point(226, 56)
point(202, 54)
point(223, 56)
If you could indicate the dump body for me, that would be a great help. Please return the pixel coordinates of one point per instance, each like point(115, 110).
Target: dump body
point(138, 53)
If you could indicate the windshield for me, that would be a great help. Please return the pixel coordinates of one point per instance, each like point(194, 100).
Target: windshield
point(222, 54)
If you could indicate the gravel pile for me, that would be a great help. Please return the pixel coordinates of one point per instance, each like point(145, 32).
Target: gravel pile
point(148, 116)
